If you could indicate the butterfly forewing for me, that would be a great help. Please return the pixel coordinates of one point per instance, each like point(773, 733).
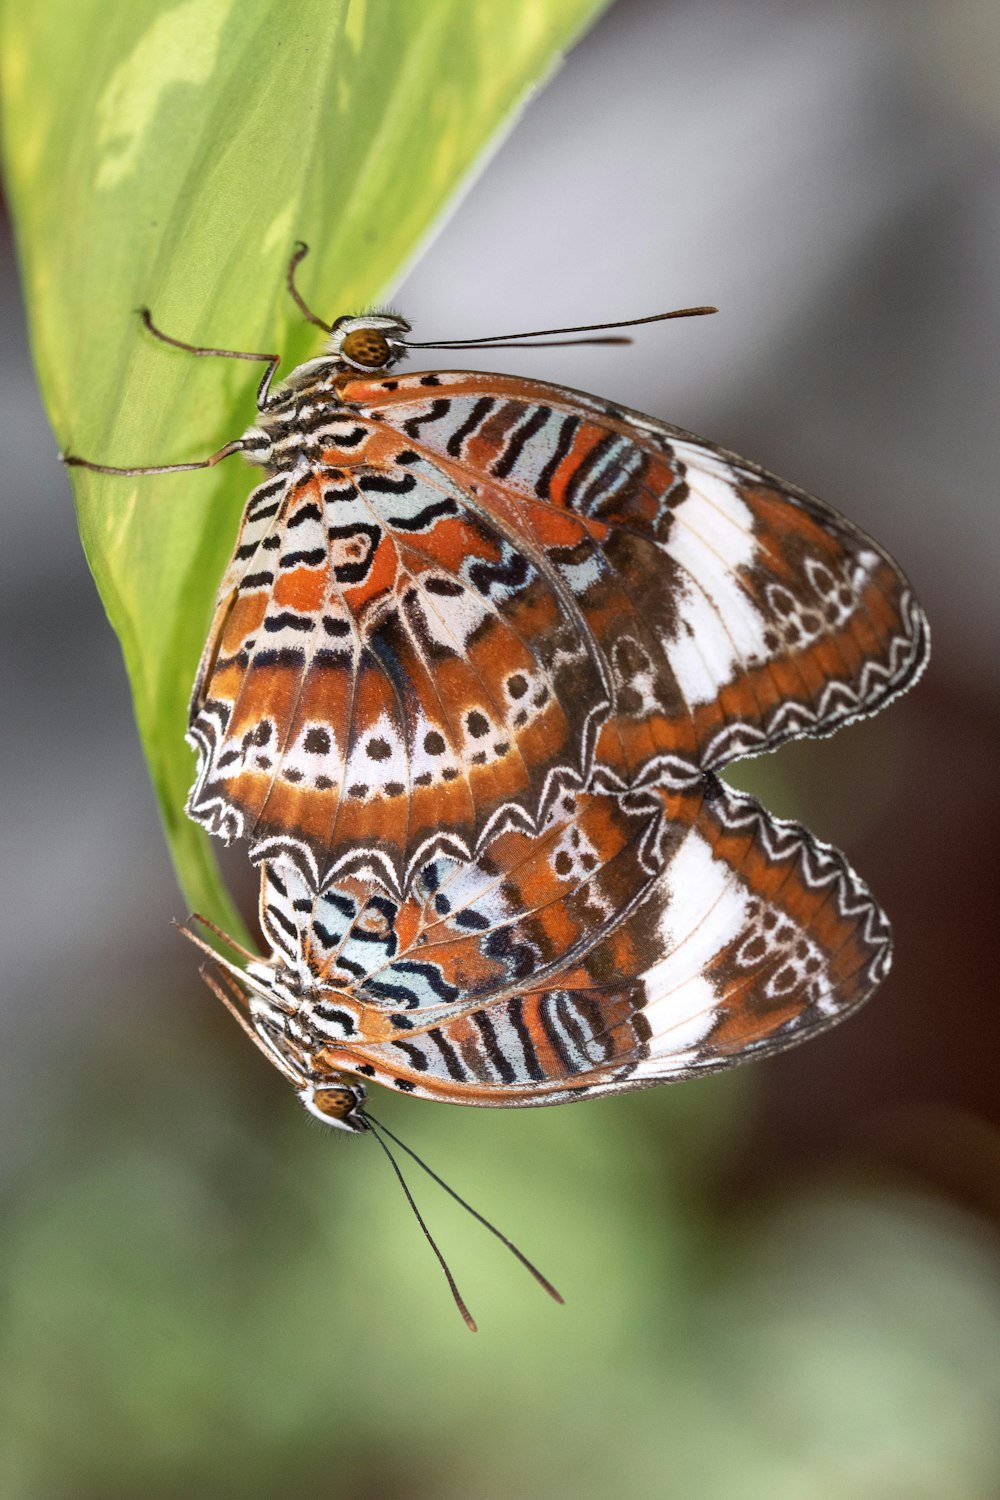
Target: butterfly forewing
point(735, 610)
point(386, 671)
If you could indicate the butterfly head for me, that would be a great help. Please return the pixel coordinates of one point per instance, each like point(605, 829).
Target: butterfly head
point(372, 342)
point(337, 1103)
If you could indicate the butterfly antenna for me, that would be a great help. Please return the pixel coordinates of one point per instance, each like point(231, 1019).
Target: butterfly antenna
point(511, 339)
point(543, 1281)
point(470, 1321)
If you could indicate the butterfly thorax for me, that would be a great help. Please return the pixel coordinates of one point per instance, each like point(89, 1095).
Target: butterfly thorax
point(293, 1025)
point(296, 1004)
point(304, 420)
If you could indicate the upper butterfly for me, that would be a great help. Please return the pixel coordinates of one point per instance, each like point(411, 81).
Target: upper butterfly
point(457, 594)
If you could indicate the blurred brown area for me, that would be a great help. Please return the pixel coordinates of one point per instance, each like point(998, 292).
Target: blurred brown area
point(780, 1283)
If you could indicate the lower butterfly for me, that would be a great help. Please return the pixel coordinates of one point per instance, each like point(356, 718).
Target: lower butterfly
point(634, 940)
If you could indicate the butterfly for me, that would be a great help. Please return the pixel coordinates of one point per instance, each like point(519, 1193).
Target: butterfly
point(456, 596)
point(451, 606)
point(632, 940)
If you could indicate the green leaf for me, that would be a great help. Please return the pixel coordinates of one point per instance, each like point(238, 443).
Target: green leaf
point(169, 154)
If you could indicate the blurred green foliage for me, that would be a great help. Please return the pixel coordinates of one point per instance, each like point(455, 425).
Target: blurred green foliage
point(204, 1294)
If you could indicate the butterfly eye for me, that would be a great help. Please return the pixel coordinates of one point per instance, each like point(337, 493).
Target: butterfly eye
point(366, 347)
point(338, 1104)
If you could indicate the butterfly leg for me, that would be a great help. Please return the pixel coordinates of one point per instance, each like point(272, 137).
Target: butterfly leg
point(203, 921)
point(238, 445)
point(300, 252)
point(225, 988)
point(272, 360)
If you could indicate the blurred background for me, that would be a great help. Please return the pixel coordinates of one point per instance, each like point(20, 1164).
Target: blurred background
point(781, 1282)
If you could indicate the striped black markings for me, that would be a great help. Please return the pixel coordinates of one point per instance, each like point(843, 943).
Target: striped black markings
point(575, 1029)
point(567, 432)
point(288, 947)
point(278, 656)
point(337, 487)
point(278, 917)
point(572, 1025)
point(590, 468)
point(424, 518)
point(260, 506)
point(308, 512)
point(509, 574)
point(336, 1016)
point(519, 439)
point(453, 1063)
point(430, 975)
point(353, 437)
point(515, 1015)
point(591, 1031)
point(287, 621)
point(412, 1051)
point(553, 1033)
point(444, 588)
point(434, 413)
point(329, 941)
point(384, 483)
point(487, 1031)
point(477, 416)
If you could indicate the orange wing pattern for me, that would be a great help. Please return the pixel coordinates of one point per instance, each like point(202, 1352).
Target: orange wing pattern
point(458, 596)
point(635, 940)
